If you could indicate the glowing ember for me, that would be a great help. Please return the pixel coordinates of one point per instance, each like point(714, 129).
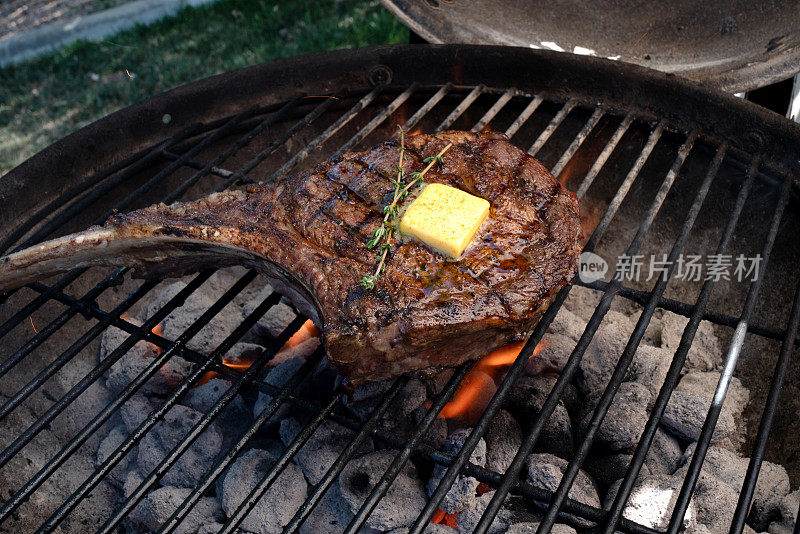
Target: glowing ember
point(479, 385)
point(443, 518)
point(211, 375)
point(482, 488)
point(304, 333)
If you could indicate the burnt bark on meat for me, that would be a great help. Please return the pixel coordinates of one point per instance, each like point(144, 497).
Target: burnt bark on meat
point(308, 235)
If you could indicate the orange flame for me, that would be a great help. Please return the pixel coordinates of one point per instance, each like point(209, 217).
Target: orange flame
point(472, 390)
point(443, 518)
point(304, 333)
point(505, 355)
point(238, 365)
point(159, 331)
point(480, 383)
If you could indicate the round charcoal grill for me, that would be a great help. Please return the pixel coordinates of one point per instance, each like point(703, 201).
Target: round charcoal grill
point(661, 167)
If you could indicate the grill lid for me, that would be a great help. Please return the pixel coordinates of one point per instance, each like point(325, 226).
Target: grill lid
point(733, 46)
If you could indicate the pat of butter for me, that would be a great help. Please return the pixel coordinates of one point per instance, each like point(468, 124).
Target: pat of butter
point(444, 218)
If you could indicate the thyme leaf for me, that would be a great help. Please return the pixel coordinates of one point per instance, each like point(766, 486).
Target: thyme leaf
point(382, 236)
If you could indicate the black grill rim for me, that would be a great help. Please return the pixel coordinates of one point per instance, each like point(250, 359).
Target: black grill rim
point(115, 139)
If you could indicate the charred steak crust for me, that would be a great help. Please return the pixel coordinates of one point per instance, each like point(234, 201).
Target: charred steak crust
point(426, 311)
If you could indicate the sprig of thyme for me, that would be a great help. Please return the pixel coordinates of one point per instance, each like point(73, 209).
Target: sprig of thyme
point(382, 236)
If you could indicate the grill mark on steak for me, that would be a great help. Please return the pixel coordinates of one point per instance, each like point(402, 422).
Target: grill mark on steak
point(307, 234)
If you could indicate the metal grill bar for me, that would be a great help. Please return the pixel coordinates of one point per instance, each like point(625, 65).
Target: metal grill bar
point(275, 470)
point(136, 166)
point(551, 127)
point(213, 166)
point(165, 344)
point(175, 165)
point(261, 156)
point(468, 446)
point(117, 275)
point(425, 452)
point(515, 370)
point(70, 277)
point(382, 486)
point(66, 356)
point(604, 155)
point(578, 141)
point(378, 119)
point(671, 380)
point(156, 415)
point(213, 473)
point(681, 308)
point(131, 388)
point(56, 324)
point(59, 406)
point(495, 109)
point(727, 372)
point(36, 303)
point(532, 106)
point(127, 326)
point(69, 195)
point(336, 468)
point(169, 460)
point(324, 136)
point(72, 394)
point(461, 108)
point(93, 195)
point(617, 377)
point(591, 328)
point(114, 278)
point(216, 171)
point(538, 495)
point(427, 106)
point(622, 191)
point(767, 418)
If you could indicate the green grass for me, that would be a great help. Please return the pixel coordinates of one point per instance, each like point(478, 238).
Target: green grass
point(47, 98)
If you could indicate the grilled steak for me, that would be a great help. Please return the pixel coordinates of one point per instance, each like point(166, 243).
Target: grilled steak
point(308, 236)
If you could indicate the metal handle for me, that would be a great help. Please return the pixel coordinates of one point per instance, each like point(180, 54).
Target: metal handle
point(793, 112)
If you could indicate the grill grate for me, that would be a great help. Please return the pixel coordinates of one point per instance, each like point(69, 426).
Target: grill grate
point(269, 142)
